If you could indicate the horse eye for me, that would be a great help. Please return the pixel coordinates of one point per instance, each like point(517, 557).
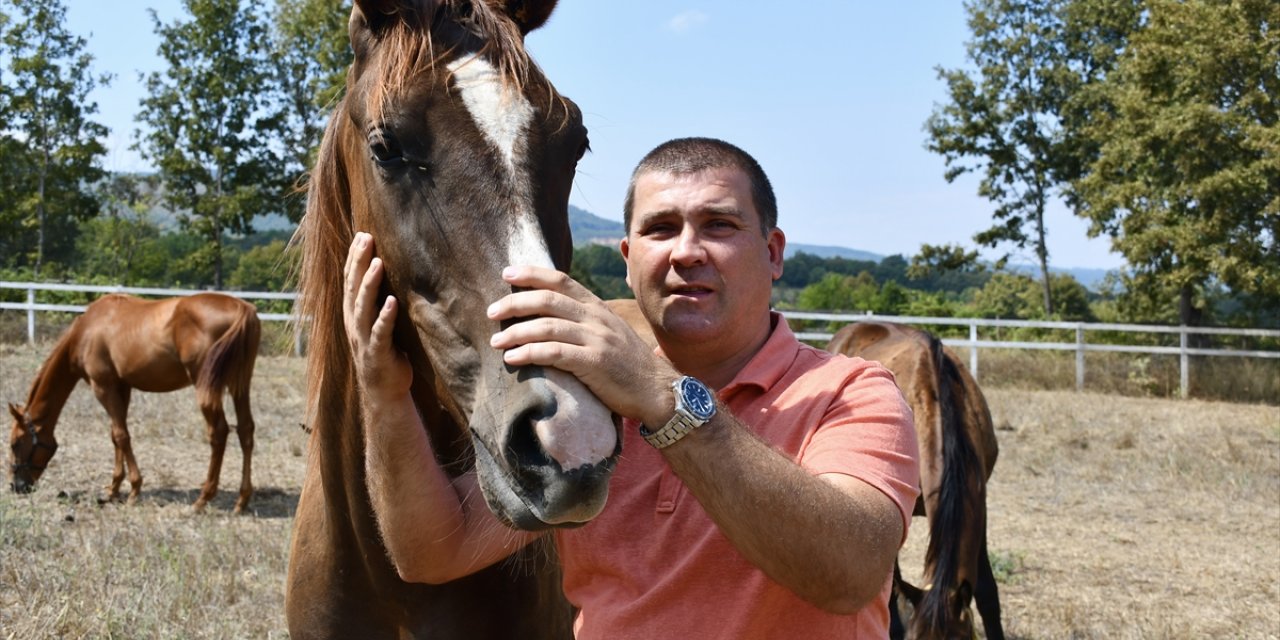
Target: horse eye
point(582, 151)
point(386, 153)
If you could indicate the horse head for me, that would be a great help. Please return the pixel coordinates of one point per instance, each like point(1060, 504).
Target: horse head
point(940, 613)
point(29, 453)
point(453, 149)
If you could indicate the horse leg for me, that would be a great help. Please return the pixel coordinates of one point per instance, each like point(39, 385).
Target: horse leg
point(897, 630)
point(987, 597)
point(216, 425)
point(115, 399)
point(244, 430)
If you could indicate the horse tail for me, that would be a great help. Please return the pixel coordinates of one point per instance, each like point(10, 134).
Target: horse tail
point(951, 520)
point(229, 363)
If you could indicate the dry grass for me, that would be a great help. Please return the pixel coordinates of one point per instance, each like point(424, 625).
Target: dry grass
point(1111, 517)
point(1117, 517)
point(1248, 380)
point(73, 568)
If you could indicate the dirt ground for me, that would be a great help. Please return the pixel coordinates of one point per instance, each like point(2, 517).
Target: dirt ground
point(1110, 517)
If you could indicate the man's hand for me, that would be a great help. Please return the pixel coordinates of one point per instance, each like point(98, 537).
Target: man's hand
point(382, 371)
point(570, 329)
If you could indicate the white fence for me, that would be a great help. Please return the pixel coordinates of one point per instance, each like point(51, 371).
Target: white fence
point(31, 306)
point(973, 343)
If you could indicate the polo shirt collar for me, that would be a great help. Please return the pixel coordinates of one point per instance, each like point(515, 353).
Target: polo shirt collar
point(773, 359)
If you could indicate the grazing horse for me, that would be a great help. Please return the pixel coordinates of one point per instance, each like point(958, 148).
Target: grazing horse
point(957, 453)
point(457, 154)
point(121, 343)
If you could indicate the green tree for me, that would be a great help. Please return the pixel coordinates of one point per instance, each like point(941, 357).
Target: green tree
point(836, 292)
point(1186, 179)
point(602, 270)
point(58, 148)
point(309, 57)
point(1017, 296)
point(120, 246)
point(206, 132)
point(1003, 118)
point(938, 259)
point(264, 268)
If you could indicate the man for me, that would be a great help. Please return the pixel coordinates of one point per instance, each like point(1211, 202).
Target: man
point(773, 508)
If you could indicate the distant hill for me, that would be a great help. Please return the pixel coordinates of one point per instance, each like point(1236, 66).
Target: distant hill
point(823, 251)
point(1090, 278)
point(588, 228)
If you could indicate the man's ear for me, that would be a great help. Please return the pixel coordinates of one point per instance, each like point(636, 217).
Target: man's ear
point(777, 250)
point(625, 248)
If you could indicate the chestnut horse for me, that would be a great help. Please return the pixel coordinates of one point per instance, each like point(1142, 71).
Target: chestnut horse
point(957, 454)
point(457, 154)
point(121, 343)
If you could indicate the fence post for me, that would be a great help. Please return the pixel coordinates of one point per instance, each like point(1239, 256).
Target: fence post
point(31, 315)
point(297, 327)
point(973, 350)
point(1183, 361)
point(1080, 357)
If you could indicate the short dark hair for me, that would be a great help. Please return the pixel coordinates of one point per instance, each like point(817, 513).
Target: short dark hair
point(684, 156)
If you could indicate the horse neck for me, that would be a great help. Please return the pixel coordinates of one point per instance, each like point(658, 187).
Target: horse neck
point(55, 381)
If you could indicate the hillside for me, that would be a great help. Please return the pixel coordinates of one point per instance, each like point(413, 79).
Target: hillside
point(588, 228)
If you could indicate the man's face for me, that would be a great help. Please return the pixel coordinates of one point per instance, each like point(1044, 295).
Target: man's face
point(697, 260)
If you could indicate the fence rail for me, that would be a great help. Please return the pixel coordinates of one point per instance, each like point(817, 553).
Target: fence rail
point(1080, 346)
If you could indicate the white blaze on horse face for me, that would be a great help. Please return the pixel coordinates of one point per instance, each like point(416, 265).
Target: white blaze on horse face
point(581, 432)
point(502, 114)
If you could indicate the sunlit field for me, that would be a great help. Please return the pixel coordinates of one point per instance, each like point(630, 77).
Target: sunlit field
point(1110, 517)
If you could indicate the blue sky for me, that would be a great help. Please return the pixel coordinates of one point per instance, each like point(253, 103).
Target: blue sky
point(830, 96)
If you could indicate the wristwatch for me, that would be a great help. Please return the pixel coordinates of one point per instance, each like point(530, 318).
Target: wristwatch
point(695, 405)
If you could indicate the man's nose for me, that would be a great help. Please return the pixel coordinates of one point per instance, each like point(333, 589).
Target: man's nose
point(688, 248)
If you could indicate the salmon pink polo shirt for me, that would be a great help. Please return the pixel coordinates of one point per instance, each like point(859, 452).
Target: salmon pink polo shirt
point(653, 565)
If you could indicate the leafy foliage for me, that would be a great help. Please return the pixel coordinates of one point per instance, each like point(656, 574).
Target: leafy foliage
point(49, 145)
point(1186, 179)
point(206, 133)
point(308, 61)
point(1004, 119)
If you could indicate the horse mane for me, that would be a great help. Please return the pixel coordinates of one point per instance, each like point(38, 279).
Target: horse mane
point(325, 233)
point(959, 459)
point(59, 356)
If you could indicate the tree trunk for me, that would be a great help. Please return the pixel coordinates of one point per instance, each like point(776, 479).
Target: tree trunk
point(217, 258)
point(1042, 252)
point(1191, 316)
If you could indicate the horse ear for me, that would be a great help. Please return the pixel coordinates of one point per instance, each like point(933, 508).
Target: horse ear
point(912, 593)
point(530, 14)
point(377, 14)
point(16, 411)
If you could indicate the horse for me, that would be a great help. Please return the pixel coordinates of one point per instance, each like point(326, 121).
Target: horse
point(121, 343)
point(454, 150)
point(958, 451)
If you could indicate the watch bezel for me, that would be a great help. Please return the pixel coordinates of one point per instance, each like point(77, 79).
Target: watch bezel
point(696, 399)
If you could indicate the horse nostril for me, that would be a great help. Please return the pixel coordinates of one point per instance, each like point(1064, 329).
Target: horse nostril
point(523, 441)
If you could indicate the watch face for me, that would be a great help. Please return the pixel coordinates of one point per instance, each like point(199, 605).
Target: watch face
point(697, 399)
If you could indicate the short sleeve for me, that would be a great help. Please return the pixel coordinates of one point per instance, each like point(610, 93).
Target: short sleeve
point(868, 432)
